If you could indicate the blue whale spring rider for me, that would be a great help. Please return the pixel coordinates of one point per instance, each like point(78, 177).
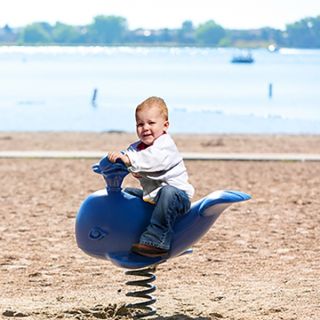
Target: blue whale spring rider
point(110, 220)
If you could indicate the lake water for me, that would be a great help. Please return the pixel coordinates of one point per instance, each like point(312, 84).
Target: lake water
point(50, 88)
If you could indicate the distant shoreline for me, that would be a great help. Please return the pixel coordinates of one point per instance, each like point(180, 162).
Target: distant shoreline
point(146, 45)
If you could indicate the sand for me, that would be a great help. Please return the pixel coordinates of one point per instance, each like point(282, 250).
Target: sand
point(261, 259)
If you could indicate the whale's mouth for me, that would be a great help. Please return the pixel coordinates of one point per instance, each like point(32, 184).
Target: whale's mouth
point(95, 254)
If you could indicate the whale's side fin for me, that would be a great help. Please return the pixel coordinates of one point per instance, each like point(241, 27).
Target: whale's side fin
point(188, 251)
point(217, 201)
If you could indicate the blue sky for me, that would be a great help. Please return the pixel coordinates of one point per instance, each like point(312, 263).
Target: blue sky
point(238, 14)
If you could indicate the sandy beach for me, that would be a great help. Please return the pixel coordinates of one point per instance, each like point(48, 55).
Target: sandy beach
point(261, 259)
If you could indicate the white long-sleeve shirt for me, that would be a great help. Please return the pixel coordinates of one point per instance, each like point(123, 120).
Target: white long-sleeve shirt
point(158, 165)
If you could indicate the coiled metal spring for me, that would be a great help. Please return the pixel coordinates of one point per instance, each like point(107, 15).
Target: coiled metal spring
point(145, 306)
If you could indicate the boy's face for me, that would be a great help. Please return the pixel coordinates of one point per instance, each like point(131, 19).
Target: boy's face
point(150, 125)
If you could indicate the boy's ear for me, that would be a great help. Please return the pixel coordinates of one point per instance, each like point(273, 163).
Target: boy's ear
point(166, 126)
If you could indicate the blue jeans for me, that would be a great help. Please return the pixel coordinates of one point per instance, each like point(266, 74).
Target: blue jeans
point(171, 203)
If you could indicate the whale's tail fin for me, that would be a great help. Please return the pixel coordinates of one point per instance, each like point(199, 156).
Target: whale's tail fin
point(217, 201)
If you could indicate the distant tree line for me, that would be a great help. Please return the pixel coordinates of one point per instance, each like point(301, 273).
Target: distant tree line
point(113, 30)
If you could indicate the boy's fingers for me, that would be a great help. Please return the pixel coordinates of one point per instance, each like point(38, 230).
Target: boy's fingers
point(111, 156)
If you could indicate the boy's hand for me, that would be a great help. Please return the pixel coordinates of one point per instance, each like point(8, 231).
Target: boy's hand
point(113, 156)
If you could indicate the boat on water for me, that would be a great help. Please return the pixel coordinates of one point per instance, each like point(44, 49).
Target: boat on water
point(242, 58)
point(273, 48)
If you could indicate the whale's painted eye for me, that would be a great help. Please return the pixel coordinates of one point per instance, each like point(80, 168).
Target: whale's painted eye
point(97, 233)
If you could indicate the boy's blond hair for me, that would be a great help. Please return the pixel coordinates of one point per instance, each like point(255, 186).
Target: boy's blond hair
point(154, 102)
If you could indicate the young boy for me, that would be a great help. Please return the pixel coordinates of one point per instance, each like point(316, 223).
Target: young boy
point(156, 162)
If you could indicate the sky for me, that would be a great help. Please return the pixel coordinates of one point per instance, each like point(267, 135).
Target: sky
point(155, 14)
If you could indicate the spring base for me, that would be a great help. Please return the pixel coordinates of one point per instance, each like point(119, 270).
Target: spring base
point(145, 308)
